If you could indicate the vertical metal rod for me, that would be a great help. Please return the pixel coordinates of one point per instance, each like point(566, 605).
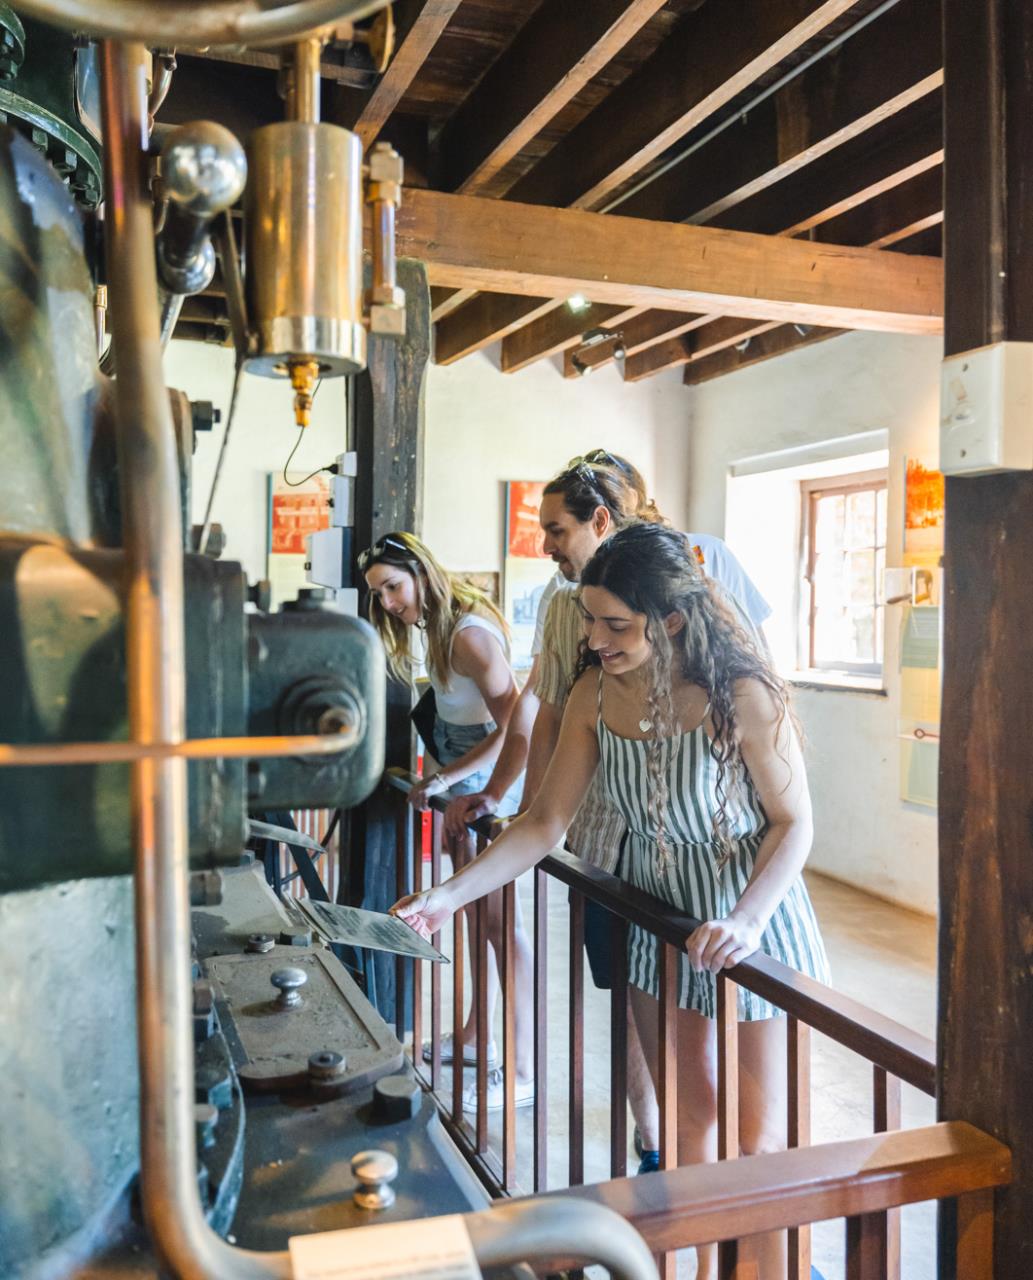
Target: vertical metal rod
point(667, 1077)
point(618, 1047)
point(404, 884)
point(304, 82)
point(541, 1030)
point(576, 1091)
point(156, 684)
point(416, 842)
point(436, 828)
point(483, 1031)
point(458, 998)
point(798, 1129)
point(507, 979)
point(886, 1116)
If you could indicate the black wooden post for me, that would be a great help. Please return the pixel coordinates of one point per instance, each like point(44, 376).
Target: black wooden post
point(388, 438)
point(986, 769)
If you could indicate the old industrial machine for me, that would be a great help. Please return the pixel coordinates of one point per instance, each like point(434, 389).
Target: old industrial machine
point(190, 1079)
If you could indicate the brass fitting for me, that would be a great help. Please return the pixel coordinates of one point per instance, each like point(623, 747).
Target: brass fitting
point(304, 374)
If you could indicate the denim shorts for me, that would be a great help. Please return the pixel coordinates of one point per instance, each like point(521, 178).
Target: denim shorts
point(454, 740)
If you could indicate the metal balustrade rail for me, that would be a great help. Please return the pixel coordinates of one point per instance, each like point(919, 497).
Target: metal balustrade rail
point(896, 1053)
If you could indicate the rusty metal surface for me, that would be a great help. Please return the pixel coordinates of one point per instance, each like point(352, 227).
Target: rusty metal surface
point(272, 1043)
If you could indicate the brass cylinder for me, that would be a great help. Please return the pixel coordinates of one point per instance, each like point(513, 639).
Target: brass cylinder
point(304, 248)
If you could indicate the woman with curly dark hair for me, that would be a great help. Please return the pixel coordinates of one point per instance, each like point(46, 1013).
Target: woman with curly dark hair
point(691, 731)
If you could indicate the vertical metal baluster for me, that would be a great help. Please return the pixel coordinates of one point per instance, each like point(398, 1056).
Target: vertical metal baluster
point(576, 1092)
point(507, 979)
point(458, 1000)
point(436, 828)
point(416, 845)
point(667, 1076)
point(864, 1247)
point(798, 1129)
point(483, 1031)
point(727, 1095)
point(402, 883)
point(618, 1047)
point(541, 1029)
point(886, 1115)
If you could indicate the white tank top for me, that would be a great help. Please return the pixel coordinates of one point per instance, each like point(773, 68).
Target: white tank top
point(461, 702)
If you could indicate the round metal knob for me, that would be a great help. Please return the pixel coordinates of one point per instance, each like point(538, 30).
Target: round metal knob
point(204, 167)
point(287, 982)
point(375, 1170)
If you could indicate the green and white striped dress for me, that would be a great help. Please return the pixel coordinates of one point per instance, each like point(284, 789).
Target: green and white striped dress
point(693, 880)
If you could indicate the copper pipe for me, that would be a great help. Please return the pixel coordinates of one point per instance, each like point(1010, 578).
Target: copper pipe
point(155, 662)
point(14, 755)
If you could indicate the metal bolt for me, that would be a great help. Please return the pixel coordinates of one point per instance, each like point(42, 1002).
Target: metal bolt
point(260, 594)
point(206, 1117)
point(204, 998)
point(375, 1171)
point(260, 943)
point(287, 982)
point(296, 937)
point(396, 1098)
point(326, 1066)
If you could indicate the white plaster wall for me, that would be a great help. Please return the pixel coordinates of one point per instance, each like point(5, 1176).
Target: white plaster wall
point(865, 834)
point(485, 427)
point(482, 428)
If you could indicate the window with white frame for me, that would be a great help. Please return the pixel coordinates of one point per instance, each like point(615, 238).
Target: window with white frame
point(844, 557)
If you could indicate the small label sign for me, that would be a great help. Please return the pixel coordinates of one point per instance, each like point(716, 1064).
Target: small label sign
point(426, 1249)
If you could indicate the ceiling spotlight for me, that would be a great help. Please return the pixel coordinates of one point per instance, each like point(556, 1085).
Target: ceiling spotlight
point(577, 302)
point(596, 338)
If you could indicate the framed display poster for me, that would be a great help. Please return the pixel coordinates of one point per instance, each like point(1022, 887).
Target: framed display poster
point(526, 568)
point(295, 510)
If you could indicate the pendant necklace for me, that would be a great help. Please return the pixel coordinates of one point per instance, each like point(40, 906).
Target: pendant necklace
point(645, 725)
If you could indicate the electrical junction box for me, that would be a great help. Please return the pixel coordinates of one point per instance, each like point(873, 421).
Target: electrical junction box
point(986, 410)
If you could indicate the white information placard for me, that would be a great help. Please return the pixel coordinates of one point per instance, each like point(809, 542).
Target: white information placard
point(426, 1249)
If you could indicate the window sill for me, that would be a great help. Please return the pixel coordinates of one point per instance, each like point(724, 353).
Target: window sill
point(831, 682)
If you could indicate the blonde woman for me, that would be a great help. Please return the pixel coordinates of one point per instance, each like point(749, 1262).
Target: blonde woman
point(465, 649)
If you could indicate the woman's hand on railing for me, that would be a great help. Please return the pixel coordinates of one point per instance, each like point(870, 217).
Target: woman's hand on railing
point(420, 795)
point(466, 809)
point(426, 912)
point(722, 944)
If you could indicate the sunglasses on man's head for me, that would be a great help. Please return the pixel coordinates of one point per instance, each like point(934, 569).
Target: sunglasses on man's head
point(378, 549)
point(597, 458)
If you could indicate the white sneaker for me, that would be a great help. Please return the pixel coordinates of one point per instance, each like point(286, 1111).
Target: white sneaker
point(496, 1098)
point(469, 1052)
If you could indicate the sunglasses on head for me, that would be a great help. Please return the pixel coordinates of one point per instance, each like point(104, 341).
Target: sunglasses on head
point(378, 549)
point(597, 458)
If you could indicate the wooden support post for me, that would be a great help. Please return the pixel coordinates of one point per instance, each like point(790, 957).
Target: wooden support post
point(798, 1130)
point(886, 1116)
point(507, 983)
point(986, 778)
point(576, 1095)
point(437, 826)
point(541, 1030)
point(618, 1047)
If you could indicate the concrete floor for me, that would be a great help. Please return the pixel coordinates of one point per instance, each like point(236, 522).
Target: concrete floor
point(881, 955)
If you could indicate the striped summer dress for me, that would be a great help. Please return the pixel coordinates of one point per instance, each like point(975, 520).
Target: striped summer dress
point(692, 880)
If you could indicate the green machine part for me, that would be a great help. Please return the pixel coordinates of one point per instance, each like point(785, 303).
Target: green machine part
point(62, 576)
point(49, 92)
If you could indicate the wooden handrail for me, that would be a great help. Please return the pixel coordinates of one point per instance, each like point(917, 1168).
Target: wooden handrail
point(899, 1050)
point(701, 1204)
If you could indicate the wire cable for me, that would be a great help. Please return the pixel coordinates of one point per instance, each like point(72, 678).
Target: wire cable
point(207, 523)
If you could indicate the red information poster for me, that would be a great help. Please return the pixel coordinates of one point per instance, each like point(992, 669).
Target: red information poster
point(295, 511)
point(523, 532)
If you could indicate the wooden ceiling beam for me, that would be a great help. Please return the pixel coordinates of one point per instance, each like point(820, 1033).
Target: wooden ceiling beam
point(544, 254)
point(877, 73)
point(419, 26)
point(777, 341)
point(673, 92)
point(859, 194)
point(563, 45)
point(895, 217)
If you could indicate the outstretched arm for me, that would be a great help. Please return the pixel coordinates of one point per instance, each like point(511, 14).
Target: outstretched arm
point(530, 837)
point(774, 761)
